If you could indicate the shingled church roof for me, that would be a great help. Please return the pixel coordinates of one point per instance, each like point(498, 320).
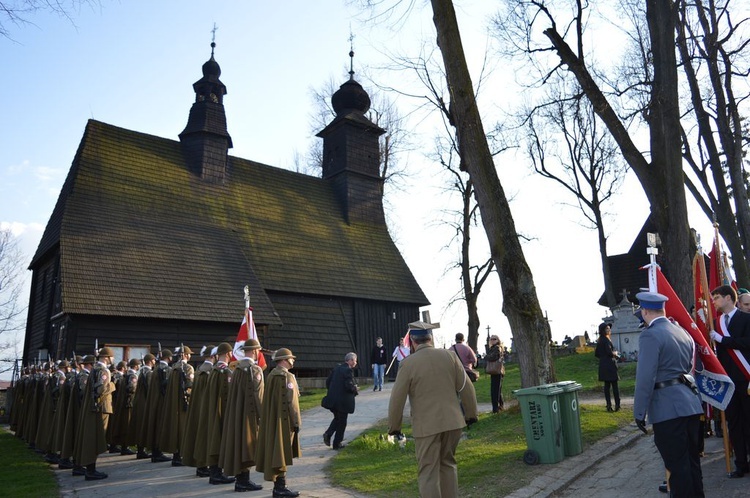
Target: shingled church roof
point(178, 247)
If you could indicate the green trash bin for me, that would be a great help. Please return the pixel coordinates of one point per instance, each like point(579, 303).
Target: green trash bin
point(540, 409)
point(570, 417)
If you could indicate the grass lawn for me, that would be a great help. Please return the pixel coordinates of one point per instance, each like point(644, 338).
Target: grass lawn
point(490, 459)
point(23, 472)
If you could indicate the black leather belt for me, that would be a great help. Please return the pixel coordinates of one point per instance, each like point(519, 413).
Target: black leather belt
point(667, 383)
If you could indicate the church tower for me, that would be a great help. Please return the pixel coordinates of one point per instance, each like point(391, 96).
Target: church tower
point(351, 154)
point(205, 140)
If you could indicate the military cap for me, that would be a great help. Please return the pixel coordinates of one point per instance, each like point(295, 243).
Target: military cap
point(88, 359)
point(282, 354)
point(250, 344)
point(207, 350)
point(149, 357)
point(122, 364)
point(134, 362)
point(165, 353)
point(651, 300)
point(184, 350)
point(421, 328)
point(105, 351)
point(224, 348)
point(64, 364)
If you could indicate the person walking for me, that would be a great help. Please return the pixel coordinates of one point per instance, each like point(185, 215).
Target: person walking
point(467, 356)
point(665, 391)
point(280, 423)
point(608, 373)
point(340, 399)
point(433, 380)
point(732, 338)
point(495, 354)
point(378, 359)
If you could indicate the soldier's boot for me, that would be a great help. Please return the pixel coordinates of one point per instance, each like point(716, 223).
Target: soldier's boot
point(157, 456)
point(79, 470)
point(176, 459)
point(51, 458)
point(281, 491)
point(64, 464)
point(218, 477)
point(141, 453)
point(126, 451)
point(202, 472)
point(243, 483)
point(92, 474)
point(113, 448)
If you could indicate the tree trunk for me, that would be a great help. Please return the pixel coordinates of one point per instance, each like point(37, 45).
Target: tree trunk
point(531, 333)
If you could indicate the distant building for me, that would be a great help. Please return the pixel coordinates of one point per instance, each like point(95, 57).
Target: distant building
point(152, 240)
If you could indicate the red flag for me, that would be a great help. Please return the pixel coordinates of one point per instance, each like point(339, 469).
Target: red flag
point(247, 331)
point(714, 384)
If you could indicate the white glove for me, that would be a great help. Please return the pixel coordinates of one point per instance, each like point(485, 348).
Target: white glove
point(716, 336)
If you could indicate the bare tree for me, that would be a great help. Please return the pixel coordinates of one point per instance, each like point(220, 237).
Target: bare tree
point(567, 144)
point(11, 287)
point(660, 173)
point(20, 12)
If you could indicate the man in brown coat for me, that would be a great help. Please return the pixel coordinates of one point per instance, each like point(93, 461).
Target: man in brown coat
point(433, 380)
point(194, 439)
point(216, 403)
point(157, 391)
point(176, 403)
point(139, 417)
point(278, 435)
point(239, 437)
point(96, 408)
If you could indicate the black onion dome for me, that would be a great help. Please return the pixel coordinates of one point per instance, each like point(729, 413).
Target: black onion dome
point(211, 68)
point(350, 97)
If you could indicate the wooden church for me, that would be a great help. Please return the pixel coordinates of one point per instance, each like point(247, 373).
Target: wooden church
point(152, 241)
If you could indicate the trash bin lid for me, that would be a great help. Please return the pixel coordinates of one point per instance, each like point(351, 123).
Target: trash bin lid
point(542, 390)
point(569, 385)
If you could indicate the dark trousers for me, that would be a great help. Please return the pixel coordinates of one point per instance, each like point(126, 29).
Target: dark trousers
point(738, 420)
point(337, 427)
point(678, 441)
point(496, 392)
point(615, 391)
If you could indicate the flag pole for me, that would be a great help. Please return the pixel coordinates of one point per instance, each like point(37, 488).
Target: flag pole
point(389, 366)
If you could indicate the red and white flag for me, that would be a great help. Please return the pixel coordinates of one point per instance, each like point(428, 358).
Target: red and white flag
point(714, 384)
point(247, 331)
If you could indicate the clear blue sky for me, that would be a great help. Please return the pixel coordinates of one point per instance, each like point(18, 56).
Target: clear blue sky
point(132, 64)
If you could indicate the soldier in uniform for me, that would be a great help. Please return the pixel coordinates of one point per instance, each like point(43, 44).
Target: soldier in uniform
point(95, 411)
point(55, 387)
point(118, 372)
point(216, 402)
point(139, 417)
point(278, 435)
point(194, 438)
point(61, 410)
point(176, 404)
point(434, 380)
point(70, 438)
point(241, 419)
point(157, 391)
point(664, 390)
point(126, 386)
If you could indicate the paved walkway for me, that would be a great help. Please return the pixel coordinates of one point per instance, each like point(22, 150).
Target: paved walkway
point(625, 464)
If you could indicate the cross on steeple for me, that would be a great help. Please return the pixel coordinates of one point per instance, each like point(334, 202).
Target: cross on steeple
point(351, 54)
point(213, 38)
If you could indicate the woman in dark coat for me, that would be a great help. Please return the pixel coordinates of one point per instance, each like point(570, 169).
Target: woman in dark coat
point(496, 380)
point(607, 355)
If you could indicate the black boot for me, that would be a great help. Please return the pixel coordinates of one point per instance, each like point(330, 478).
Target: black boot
point(202, 472)
point(126, 451)
point(92, 474)
point(176, 459)
point(64, 464)
point(79, 470)
point(157, 456)
point(113, 448)
point(141, 453)
point(281, 491)
point(243, 483)
point(218, 477)
point(52, 458)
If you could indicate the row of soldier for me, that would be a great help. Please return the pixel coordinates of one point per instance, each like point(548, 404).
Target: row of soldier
point(209, 418)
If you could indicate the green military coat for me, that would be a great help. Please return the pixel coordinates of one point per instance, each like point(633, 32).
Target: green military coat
point(278, 435)
point(218, 391)
point(242, 418)
point(193, 446)
point(96, 407)
point(176, 403)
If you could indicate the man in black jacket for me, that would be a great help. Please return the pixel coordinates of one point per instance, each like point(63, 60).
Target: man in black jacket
point(732, 338)
point(340, 399)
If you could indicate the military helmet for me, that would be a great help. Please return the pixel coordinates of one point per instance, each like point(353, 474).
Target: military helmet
point(134, 362)
point(282, 354)
point(88, 360)
point(250, 344)
point(149, 357)
point(185, 350)
point(105, 351)
point(224, 348)
point(166, 354)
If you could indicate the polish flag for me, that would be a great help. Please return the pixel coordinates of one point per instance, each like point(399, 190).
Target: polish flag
point(247, 331)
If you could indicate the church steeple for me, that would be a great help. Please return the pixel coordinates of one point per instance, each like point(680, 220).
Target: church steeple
point(351, 153)
point(205, 139)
